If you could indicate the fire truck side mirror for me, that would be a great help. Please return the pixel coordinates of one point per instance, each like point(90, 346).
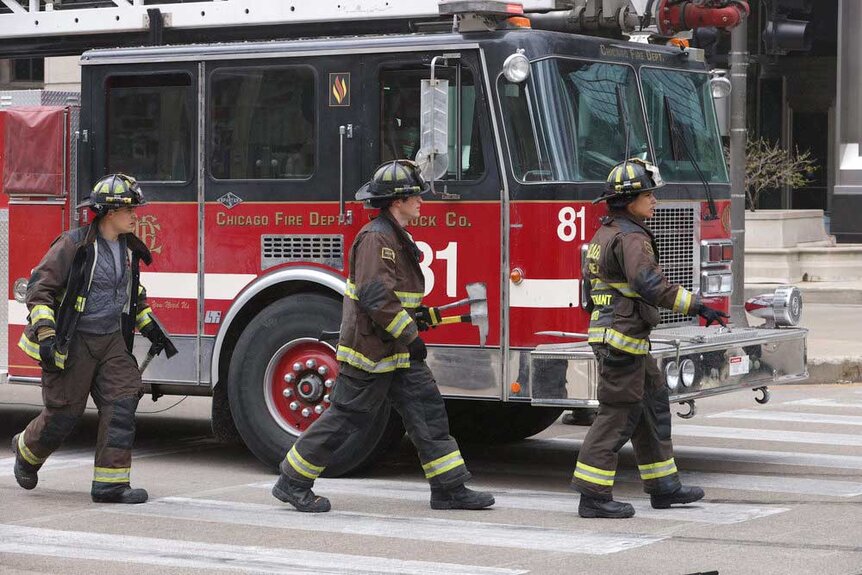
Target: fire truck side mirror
point(433, 155)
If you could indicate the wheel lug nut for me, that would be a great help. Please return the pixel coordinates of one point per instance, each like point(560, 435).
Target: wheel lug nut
point(329, 382)
point(322, 370)
point(326, 398)
point(294, 405)
point(289, 378)
point(287, 392)
point(297, 366)
point(306, 412)
point(310, 364)
point(318, 409)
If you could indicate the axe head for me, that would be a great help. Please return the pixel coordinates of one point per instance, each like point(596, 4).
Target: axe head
point(478, 295)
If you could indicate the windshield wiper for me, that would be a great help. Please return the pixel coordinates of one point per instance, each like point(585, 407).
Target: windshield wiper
point(678, 137)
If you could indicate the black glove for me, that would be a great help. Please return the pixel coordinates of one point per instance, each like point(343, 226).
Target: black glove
point(712, 315)
point(46, 352)
point(417, 349)
point(426, 317)
point(152, 333)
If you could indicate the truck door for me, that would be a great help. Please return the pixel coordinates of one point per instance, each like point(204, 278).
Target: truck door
point(142, 121)
point(458, 231)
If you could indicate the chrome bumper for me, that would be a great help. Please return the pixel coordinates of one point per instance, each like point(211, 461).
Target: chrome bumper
point(566, 375)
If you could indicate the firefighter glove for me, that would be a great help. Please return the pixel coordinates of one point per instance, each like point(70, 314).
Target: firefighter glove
point(712, 316)
point(427, 317)
point(417, 349)
point(46, 352)
point(156, 337)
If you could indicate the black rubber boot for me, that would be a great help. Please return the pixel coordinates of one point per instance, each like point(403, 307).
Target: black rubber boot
point(460, 497)
point(303, 498)
point(590, 507)
point(681, 496)
point(121, 493)
point(25, 472)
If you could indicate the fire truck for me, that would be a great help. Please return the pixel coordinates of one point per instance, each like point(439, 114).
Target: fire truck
point(250, 153)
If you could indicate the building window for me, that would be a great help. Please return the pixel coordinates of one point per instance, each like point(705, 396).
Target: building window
point(28, 70)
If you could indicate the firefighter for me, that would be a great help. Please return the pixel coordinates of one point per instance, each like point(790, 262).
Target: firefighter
point(382, 356)
point(85, 300)
point(626, 287)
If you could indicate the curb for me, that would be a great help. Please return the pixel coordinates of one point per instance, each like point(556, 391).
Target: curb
point(834, 370)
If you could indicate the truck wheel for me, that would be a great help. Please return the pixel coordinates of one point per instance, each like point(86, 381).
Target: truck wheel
point(280, 378)
point(223, 426)
point(497, 422)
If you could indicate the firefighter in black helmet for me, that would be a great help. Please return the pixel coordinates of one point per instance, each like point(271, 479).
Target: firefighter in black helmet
point(382, 356)
point(626, 287)
point(85, 301)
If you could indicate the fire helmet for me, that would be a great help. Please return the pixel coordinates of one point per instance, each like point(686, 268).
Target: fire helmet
point(114, 191)
point(629, 178)
point(394, 180)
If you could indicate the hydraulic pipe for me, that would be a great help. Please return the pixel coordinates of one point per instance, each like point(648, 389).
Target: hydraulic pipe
point(673, 16)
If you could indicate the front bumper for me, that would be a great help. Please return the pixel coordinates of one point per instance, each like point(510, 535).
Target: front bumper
point(566, 374)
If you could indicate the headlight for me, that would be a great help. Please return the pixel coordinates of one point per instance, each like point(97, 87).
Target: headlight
point(20, 289)
point(671, 374)
point(687, 372)
point(516, 68)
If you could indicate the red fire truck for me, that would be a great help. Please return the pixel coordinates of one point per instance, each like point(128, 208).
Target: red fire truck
point(249, 155)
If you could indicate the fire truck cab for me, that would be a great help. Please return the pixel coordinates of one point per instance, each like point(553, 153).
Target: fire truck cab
point(250, 153)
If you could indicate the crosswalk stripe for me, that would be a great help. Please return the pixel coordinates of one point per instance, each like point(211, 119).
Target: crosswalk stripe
point(82, 458)
point(725, 454)
point(795, 416)
point(413, 528)
point(823, 402)
point(210, 556)
point(702, 512)
point(778, 435)
point(770, 483)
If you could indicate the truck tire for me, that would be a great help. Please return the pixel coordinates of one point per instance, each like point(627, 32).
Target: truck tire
point(497, 422)
point(221, 421)
point(280, 378)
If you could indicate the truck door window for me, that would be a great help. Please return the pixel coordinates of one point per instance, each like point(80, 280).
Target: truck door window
point(400, 98)
point(149, 127)
point(262, 123)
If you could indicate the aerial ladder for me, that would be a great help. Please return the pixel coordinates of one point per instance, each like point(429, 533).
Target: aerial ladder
point(31, 28)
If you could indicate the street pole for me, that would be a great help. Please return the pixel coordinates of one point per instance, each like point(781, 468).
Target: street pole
point(738, 136)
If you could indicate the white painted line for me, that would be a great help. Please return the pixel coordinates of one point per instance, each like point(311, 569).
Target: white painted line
point(225, 286)
point(178, 554)
point(798, 417)
point(815, 402)
point(779, 435)
point(413, 528)
point(170, 285)
point(760, 457)
point(771, 484)
point(81, 458)
point(529, 293)
point(531, 500)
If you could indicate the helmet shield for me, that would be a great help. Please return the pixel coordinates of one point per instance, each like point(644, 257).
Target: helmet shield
point(630, 178)
point(394, 180)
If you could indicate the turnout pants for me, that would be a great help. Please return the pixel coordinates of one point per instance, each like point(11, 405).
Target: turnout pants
point(101, 366)
point(356, 399)
point(633, 404)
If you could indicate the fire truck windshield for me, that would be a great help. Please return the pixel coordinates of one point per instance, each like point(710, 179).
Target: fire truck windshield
point(568, 122)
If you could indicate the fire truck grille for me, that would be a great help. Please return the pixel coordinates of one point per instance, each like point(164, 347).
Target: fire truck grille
point(321, 249)
point(675, 232)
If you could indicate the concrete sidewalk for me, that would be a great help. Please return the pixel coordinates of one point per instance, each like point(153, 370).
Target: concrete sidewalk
point(835, 329)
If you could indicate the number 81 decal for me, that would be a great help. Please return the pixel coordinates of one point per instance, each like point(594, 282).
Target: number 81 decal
point(568, 228)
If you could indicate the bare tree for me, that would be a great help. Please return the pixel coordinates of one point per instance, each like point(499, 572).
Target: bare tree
point(768, 166)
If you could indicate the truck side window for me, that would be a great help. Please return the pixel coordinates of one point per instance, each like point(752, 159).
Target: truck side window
point(149, 127)
point(400, 98)
point(262, 123)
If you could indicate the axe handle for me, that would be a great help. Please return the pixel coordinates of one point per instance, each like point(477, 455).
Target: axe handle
point(455, 319)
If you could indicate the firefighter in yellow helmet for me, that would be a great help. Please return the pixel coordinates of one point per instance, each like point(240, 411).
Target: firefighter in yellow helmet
point(382, 356)
point(626, 287)
point(85, 301)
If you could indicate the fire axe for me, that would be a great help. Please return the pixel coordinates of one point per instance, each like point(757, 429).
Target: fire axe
point(161, 341)
point(477, 297)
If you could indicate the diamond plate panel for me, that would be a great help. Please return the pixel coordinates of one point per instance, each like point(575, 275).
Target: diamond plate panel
point(9, 98)
point(4, 273)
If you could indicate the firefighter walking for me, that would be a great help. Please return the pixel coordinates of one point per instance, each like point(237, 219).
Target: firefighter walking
point(85, 300)
point(382, 356)
point(626, 287)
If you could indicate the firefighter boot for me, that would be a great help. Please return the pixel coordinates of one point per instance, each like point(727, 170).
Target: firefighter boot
point(303, 498)
point(681, 496)
point(460, 497)
point(591, 507)
point(25, 472)
point(120, 493)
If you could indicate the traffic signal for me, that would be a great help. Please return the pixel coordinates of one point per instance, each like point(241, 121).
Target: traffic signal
point(788, 28)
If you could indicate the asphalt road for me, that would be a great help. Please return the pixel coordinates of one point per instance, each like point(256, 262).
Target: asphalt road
point(783, 484)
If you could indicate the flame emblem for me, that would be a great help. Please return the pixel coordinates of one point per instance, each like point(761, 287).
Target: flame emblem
point(339, 94)
point(146, 229)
